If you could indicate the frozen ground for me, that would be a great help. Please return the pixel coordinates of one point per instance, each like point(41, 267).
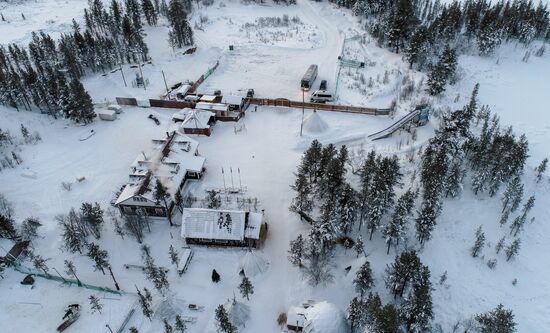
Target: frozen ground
point(267, 153)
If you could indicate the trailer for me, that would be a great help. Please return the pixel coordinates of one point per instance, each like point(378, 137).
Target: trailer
point(309, 77)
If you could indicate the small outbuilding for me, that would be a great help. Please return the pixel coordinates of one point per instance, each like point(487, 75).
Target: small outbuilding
point(221, 110)
point(316, 317)
point(235, 103)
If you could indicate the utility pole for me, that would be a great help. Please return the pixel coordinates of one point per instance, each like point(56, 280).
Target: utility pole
point(141, 73)
point(164, 78)
point(303, 102)
point(123, 78)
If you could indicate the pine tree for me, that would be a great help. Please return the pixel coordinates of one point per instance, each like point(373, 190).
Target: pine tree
point(296, 252)
point(92, 217)
point(513, 194)
point(246, 288)
point(453, 183)
point(359, 246)
point(174, 256)
point(70, 269)
point(479, 243)
point(498, 320)
point(513, 249)
point(356, 314)
point(7, 227)
point(99, 256)
point(180, 325)
point(40, 263)
point(167, 327)
point(417, 49)
point(94, 304)
point(303, 202)
point(519, 221)
point(405, 269)
point(178, 201)
point(222, 321)
point(394, 230)
point(133, 329)
point(401, 25)
point(161, 196)
point(146, 301)
point(149, 12)
point(540, 169)
point(29, 226)
point(416, 311)
point(500, 244)
point(215, 276)
point(81, 108)
point(363, 280)
point(180, 33)
point(213, 199)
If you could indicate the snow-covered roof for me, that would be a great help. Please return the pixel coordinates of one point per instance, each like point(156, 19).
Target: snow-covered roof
point(211, 106)
point(232, 99)
point(254, 224)
point(296, 316)
point(169, 161)
point(208, 98)
point(212, 224)
point(181, 114)
point(197, 119)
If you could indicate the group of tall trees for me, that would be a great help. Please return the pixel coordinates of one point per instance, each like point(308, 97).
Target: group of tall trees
point(409, 281)
point(418, 28)
point(46, 74)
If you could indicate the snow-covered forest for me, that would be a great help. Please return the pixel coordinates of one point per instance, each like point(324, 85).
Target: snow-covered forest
point(423, 212)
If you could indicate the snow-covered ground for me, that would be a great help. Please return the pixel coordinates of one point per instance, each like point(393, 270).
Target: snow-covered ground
point(267, 152)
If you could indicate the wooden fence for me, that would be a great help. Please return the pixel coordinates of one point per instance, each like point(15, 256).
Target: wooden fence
point(159, 103)
point(319, 106)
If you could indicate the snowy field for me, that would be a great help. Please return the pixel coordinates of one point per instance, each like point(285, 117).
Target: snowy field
point(271, 60)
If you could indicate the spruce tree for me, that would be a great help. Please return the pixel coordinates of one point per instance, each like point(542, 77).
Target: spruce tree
point(215, 276)
point(222, 320)
point(541, 168)
point(356, 314)
point(498, 320)
point(29, 226)
point(70, 269)
point(513, 194)
point(296, 252)
point(99, 256)
point(167, 327)
point(180, 325)
point(174, 256)
point(149, 12)
point(246, 288)
point(162, 197)
point(394, 230)
point(405, 269)
point(146, 302)
point(363, 279)
point(519, 221)
point(180, 33)
point(81, 108)
point(95, 304)
point(512, 249)
point(479, 243)
point(416, 311)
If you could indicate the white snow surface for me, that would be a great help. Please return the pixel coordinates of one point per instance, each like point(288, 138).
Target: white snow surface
point(267, 154)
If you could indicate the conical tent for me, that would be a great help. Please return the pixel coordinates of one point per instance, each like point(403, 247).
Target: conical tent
point(314, 123)
point(253, 264)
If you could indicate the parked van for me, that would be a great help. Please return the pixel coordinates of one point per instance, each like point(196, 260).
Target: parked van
point(321, 96)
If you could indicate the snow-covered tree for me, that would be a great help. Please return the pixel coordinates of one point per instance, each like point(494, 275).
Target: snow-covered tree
point(162, 196)
point(416, 310)
point(479, 243)
point(296, 252)
point(541, 168)
point(95, 304)
point(363, 279)
point(180, 33)
point(174, 256)
point(498, 320)
point(167, 327)
point(513, 194)
point(180, 325)
point(99, 256)
point(512, 249)
point(70, 269)
point(356, 314)
point(394, 230)
point(359, 246)
point(246, 288)
point(222, 321)
point(29, 226)
point(404, 270)
point(519, 221)
point(146, 302)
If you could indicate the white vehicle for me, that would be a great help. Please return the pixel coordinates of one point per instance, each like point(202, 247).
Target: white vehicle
point(321, 96)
